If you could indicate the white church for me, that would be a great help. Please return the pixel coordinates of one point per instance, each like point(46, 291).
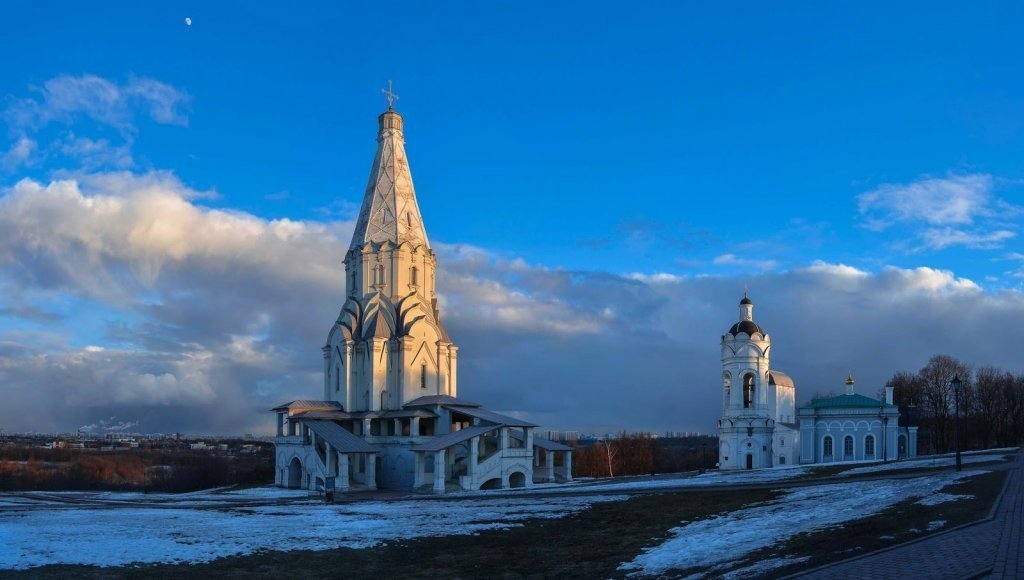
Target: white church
point(390, 416)
point(762, 427)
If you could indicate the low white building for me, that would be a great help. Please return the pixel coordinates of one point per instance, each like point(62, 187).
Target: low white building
point(854, 427)
point(390, 416)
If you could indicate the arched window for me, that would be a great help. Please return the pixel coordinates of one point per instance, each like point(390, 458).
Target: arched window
point(848, 447)
point(869, 446)
point(414, 276)
point(378, 274)
point(827, 446)
point(423, 376)
point(748, 391)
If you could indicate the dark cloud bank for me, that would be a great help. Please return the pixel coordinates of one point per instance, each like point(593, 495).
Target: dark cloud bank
point(207, 318)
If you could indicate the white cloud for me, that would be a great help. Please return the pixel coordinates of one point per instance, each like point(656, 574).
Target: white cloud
point(943, 238)
point(954, 200)
point(65, 98)
point(959, 210)
point(734, 260)
point(208, 317)
point(96, 153)
point(20, 153)
point(655, 278)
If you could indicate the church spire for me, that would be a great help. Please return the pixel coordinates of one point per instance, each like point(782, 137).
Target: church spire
point(389, 212)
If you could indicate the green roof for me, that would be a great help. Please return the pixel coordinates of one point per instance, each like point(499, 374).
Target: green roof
point(854, 400)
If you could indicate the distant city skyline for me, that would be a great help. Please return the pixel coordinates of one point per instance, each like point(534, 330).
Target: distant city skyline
point(599, 184)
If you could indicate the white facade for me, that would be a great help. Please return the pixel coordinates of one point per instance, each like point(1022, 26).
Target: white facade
point(390, 416)
point(853, 427)
point(388, 346)
point(757, 428)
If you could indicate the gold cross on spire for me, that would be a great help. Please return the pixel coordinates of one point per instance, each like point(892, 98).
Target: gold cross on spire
point(390, 96)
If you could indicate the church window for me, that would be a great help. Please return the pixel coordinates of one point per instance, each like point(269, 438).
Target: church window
point(378, 275)
point(413, 275)
point(869, 445)
point(408, 219)
point(383, 399)
point(782, 442)
point(748, 391)
point(423, 376)
point(827, 447)
point(782, 460)
point(848, 447)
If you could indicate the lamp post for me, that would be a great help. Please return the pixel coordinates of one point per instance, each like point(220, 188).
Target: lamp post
point(957, 383)
point(885, 425)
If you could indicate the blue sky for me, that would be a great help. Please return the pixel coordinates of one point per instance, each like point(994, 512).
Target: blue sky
point(740, 144)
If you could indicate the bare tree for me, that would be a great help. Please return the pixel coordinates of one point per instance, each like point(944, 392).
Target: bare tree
point(937, 383)
point(610, 452)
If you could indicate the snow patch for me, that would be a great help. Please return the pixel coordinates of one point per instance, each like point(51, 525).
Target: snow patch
point(765, 566)
point(112, 532)
point(733, 535)
point(936, 499)
point(920, 463)
point(932, 526)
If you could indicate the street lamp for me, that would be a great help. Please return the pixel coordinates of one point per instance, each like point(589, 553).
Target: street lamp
point(957, 383)
point(885, 425)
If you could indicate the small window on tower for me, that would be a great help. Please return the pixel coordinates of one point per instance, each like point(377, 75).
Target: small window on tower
point(423, 376)
point(413, 275)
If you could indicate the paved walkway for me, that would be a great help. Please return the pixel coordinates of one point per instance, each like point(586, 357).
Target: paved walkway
point(992, 547)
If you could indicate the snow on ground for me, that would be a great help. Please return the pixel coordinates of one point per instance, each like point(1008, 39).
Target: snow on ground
point(932, 526)
point(937, 498)
point(926, 462)
point(112, 536)
point(667, 481)
point(731, 536)
point(765, 566)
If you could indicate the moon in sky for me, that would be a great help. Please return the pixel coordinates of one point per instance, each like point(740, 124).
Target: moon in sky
point(188, 21)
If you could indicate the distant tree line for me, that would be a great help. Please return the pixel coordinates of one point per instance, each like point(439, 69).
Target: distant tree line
point(991, 404)
point(27, 468)
point(643, 454)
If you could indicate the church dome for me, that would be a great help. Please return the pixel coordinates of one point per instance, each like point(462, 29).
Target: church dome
point(747, 326)
point(746, 301)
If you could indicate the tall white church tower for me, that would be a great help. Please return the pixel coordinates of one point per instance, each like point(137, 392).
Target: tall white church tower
point(754, 399)
point(388, 346)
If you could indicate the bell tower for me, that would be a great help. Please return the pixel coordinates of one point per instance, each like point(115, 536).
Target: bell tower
point(747, 423)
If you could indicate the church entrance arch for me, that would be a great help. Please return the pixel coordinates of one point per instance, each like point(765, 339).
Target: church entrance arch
point(295, 473)
point(750, 461)
point(517, 479)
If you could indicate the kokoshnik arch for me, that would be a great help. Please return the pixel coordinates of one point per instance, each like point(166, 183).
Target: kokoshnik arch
point(390, 415)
